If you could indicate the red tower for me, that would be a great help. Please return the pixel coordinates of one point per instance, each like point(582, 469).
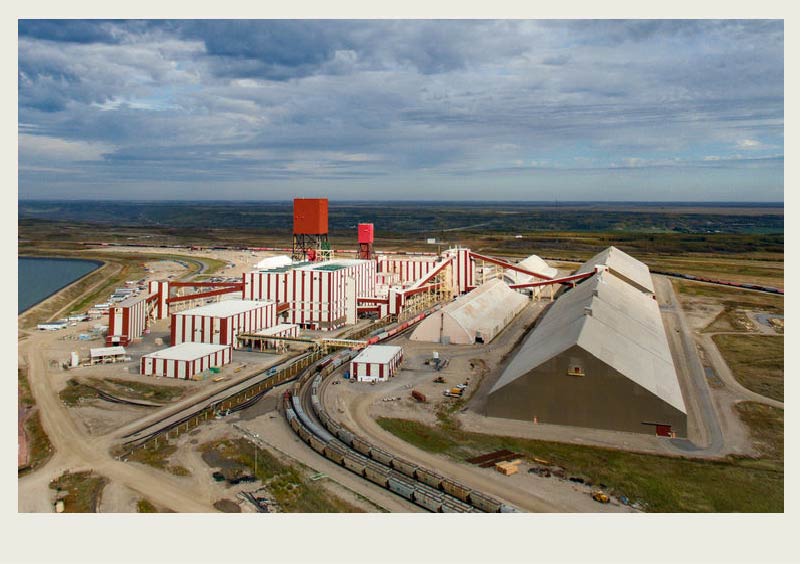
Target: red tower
point(366, 241)
point(310, 229)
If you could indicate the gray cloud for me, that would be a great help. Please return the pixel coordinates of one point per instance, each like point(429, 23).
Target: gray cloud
point(224, 103)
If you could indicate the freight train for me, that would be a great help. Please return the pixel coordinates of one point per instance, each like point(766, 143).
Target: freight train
point(415, 483)
point(768, 289)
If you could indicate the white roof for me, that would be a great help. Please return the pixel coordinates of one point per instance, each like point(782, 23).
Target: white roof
point(132, 300)
point(621, 264)
point(613, 321)
point(485, 311)
point(276, 329)
point(106, 351)
point(225, 308)
point(334, 262)
point(378, 354)
point(273, 262)
point(187, 351)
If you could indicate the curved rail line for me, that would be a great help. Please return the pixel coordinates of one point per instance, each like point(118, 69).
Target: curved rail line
point(326, 436)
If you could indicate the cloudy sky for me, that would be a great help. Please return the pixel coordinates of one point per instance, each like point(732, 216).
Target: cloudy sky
point(476, 110)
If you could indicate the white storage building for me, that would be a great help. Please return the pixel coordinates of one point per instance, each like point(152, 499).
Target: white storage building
point(185, 360)
point(622, 265)
point(219, 323)
point(533, 264)
point(475, 317)
point(105, 355)
point(377, 363)
point(599, 358)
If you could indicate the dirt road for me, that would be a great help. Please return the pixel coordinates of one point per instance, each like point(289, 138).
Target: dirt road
point(75, 449)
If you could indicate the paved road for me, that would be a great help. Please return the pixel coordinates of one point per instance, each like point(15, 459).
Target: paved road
point(685, 355)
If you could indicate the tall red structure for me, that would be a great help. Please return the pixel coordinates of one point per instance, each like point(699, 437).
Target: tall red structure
point(310, 229)
point(366, 241)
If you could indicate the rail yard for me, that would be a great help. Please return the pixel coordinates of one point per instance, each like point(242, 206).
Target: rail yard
point(320, 356)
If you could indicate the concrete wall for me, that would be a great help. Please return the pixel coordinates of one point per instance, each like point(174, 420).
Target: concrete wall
point(601, 399)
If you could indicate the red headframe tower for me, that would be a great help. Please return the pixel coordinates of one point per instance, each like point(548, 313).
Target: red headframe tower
point(366, 241)
point(310, 229)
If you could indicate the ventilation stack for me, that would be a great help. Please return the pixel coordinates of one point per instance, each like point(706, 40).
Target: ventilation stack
point(366, 241)
point(310, 230)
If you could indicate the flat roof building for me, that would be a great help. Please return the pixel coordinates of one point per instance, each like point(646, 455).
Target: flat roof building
point(184, 361)
point(376, 363)
point(219, 323)
point(106, 355)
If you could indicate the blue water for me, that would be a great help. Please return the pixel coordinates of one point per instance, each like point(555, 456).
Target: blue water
point(39, 278)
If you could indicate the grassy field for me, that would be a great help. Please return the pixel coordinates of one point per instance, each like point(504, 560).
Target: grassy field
point(159, 457)
point(133, 390)
point(82, 489)
point(757, 361)
point(659, 483)
point(730, 297)
point(294, 492)
point(766, 424)
point(77, 392)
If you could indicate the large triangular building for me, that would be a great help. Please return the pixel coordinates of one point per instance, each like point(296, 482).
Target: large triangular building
point(599, 358)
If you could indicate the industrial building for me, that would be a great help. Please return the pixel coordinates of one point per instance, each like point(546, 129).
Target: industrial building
point(405, 269)
point(106, 355)
point(219, 323)
point(184, 361)
point(377, 363)
point(533, 264)
point(599, 358)
point(321, 295)
point(260, 342)
point(623, 266)
point(128, 319)
point(476, 317)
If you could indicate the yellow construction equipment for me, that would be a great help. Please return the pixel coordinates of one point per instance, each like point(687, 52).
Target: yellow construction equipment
point(600, 496)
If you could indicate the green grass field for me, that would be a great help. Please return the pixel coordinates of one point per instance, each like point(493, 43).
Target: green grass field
point(659, 483)
point(757, 361)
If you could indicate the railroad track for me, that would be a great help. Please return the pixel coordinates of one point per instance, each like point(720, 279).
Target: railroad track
point(307, 417)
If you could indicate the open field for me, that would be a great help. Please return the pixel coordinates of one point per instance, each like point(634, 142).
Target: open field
point(293, 492)
point(757, 362)
point(766, 425)
point(80, 491)
point(659, 483)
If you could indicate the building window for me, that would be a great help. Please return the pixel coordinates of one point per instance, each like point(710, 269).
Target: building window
point(575, 368)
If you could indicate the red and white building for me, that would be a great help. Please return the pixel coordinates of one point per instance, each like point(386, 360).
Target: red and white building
point(127, 320)
point(184, 361)
point(377, 363)
point(463, 269)
point(320, 295)
point(407, 269)
point(221, 322)
point(159, 292)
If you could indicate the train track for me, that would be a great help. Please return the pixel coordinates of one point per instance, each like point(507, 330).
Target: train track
point(307, 417)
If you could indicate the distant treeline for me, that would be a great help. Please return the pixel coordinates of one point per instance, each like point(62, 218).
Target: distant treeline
point(440, 219)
